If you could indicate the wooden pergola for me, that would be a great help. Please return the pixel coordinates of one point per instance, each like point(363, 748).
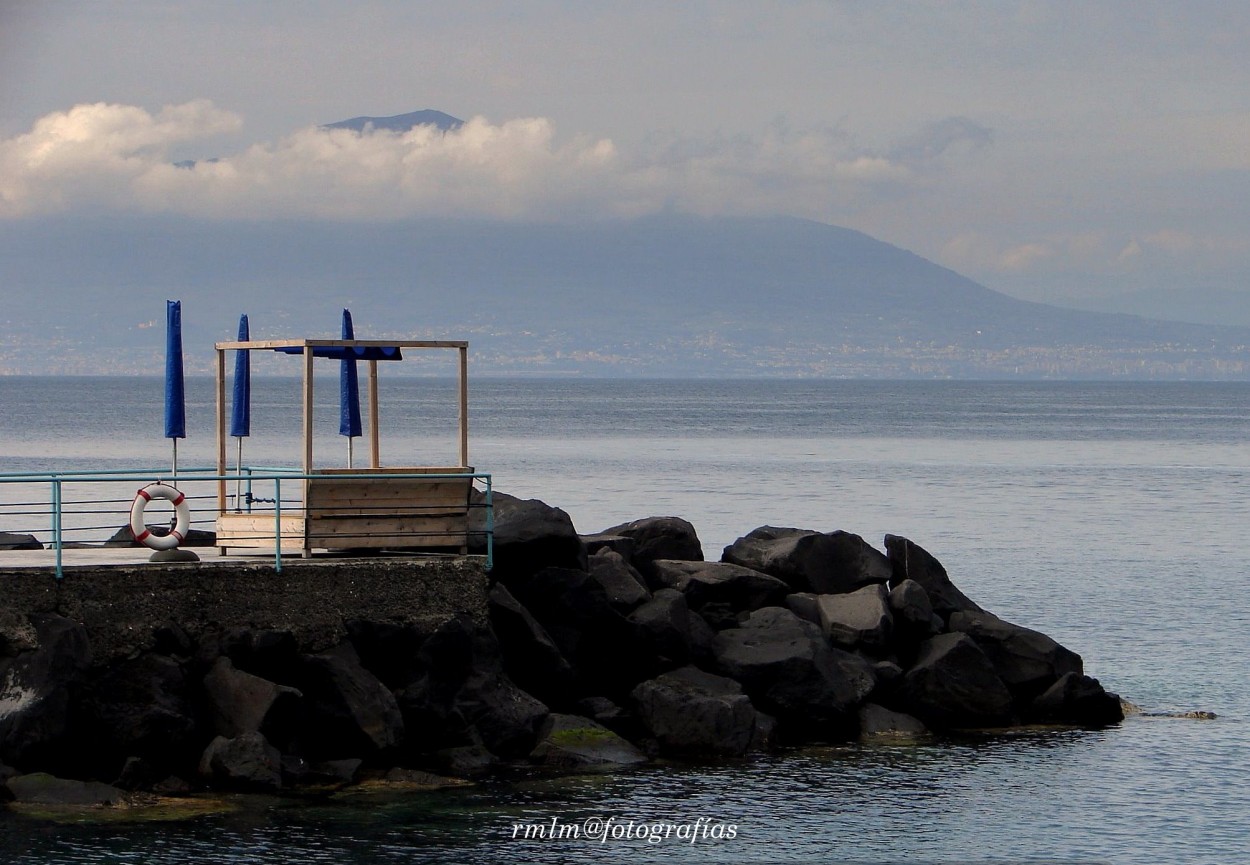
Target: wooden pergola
point(392, 507)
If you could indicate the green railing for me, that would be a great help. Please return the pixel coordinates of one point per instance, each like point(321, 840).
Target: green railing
point(84, 509)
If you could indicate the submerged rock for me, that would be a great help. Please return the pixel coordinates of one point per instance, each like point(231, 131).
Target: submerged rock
point(569, 742)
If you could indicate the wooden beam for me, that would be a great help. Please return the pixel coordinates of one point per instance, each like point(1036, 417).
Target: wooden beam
point(333, 343)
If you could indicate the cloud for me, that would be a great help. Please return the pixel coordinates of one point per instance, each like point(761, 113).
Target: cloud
point(118, 157)
point(941, 137)
point(97, 153)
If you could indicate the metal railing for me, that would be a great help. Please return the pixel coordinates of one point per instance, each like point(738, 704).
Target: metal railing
point(91, 509)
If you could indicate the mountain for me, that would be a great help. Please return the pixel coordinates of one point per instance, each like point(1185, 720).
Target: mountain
point(401, 122)
point(669, 294)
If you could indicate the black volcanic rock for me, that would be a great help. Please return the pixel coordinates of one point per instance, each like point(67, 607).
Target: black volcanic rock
point(910, 561)
point(810, 561)
point(659, 538)
point(954, 685)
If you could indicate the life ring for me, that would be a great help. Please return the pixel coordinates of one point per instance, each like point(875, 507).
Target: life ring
point(181, 510)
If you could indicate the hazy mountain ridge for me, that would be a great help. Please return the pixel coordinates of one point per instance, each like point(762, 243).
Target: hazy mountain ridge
point(400, 122)
point(669, 294)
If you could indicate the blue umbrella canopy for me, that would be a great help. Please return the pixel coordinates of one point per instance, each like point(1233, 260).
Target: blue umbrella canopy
point(349, 388)
point(175, 392)
point(241, 405)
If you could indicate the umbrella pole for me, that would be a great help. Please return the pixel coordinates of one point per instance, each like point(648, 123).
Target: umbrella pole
point(350, 439)
point(175, 481)
point(238, 480)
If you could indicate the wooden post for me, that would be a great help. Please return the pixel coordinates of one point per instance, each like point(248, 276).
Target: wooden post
point(308, 410)
point(375, 453)
point(221, 430)
point(464, 405)
point(308, 442)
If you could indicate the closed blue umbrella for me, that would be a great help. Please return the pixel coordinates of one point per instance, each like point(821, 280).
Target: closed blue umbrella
point(175, 392)
point(349, 392)
point(241, 404)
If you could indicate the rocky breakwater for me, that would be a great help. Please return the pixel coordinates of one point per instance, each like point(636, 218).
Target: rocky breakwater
point(588, 652)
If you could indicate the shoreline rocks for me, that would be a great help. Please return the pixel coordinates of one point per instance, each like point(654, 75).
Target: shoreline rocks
point(594, 652)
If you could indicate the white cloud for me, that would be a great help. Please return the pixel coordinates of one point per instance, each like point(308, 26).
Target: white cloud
point(94, 153)
point(119, 157)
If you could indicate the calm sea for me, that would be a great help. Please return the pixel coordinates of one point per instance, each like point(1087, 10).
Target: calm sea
point(1111, 516)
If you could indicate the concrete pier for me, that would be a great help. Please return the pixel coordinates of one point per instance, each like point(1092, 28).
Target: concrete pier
point(123, 600)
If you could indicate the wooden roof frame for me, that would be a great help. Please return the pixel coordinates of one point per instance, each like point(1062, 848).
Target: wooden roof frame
point(462, 346)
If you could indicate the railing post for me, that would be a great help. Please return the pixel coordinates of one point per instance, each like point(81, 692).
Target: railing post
point(277, 525)
point(490, 527)
point(56, 524)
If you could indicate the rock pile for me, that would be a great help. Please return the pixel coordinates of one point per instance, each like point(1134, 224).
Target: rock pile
point(601, 650)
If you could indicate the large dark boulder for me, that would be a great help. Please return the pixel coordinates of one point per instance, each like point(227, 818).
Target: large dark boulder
point(808, 561)
point(858, 620)
point(1027, 661)
point(465, 698)
point(914, 619)
point(877, 723)
point(531, 535)
point(270, 654)
point(953, 685)
point(389, 650)
point(692, 712)
point(570, 743)
point(530, 657)
point(619, 544)
point(37, 690)
point(10, 541)
point(665, 624)
point(40, 788)
point(622, 583)
point(348, 711)
point(1079, 700)
point(735, 588)
point(659, 538)
point(239, 702)
point(608, 653)
point(246, 762)
point(790, 671)
point(142, 707)
point(910, 561)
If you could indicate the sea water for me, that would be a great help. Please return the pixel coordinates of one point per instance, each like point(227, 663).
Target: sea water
point(1111, 516)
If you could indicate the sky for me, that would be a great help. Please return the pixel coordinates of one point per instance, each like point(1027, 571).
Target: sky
point(1082, 153)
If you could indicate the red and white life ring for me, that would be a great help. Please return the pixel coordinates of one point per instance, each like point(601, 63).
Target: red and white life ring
point(181, 510)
